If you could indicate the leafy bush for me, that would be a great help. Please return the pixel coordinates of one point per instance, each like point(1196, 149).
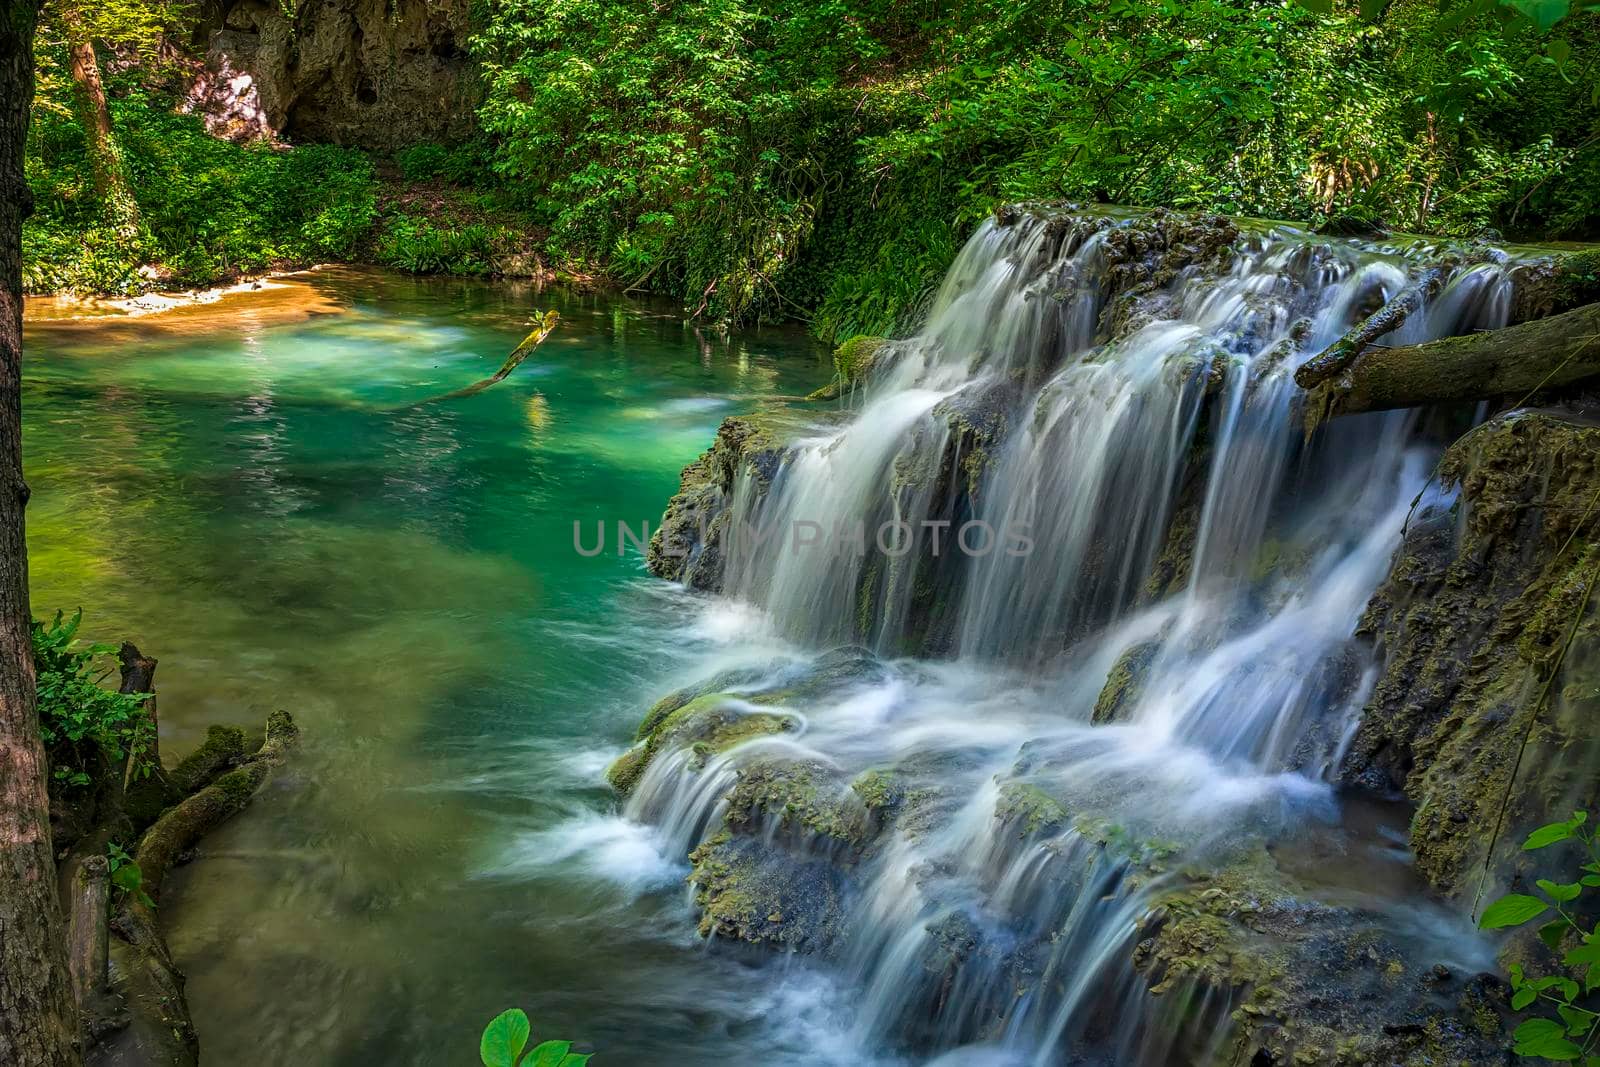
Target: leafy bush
point(1573, 1034)
point(126, 877)
point(826, 157)
point(419, 246)
point(76, 713)
point(209, 210)
point(505, 1044)
point(461, 165)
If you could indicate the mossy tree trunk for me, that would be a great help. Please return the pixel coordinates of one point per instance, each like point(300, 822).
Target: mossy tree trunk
point(38, 1024)
point(105, 155)
point(1513, 362)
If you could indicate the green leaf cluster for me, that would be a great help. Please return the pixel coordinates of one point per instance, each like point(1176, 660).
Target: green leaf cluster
point(505, 1044)
point(1572, 1034)
point(79, 718)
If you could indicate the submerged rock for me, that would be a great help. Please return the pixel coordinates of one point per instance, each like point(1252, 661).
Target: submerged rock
point(1473, 625)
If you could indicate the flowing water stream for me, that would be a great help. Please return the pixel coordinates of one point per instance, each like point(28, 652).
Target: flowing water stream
point(250, 501)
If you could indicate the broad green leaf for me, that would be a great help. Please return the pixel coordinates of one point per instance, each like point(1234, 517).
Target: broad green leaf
point(1560, 892)
point(1552, 932)
point(548, 1054)
point(504, 1038)
point(1544, 13)
point(1548, 835)
point(1585, 953)
point(1320, 7)
point(1523, 997)
point(1544, 1037)
point(577, 1059)
point(1579, 1022)
point(1511, 910)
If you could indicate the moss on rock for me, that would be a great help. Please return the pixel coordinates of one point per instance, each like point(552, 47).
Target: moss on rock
point(1477, 604)
point(1124, 683)
point(1308, 983)
point(852, 362)
point(688, 545)
point(709, 724)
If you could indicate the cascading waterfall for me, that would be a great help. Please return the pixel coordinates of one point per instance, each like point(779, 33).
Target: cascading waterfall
point(1153, 658)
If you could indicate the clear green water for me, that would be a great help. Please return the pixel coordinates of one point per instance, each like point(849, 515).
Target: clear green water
point(237, 494)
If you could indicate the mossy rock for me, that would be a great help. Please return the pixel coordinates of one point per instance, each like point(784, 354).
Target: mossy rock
point(710, 724)
point(761, 895)
point(1028, 810)
point(1308, 983)
point(688, 544)
point(728, 708)
point(852, 362)
point(1472, 618)
point(806, 797)
point(1124, 683)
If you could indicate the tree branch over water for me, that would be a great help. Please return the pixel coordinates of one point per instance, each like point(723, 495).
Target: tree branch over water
point(543, 328)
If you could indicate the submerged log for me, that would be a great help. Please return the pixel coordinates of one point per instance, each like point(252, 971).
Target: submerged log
point(162, 1030)
point(543, 327)
point(1346, 351)
point(218, 802)
point(1515, 361)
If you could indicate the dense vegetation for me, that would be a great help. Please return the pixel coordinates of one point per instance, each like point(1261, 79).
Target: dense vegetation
point(822, 159)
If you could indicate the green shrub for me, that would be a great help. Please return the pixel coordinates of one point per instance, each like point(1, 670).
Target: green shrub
point(209, 210)
point(418, 246)
point(826, 157)
point(466, 164)
point(1572, 1035)
point(76, 713)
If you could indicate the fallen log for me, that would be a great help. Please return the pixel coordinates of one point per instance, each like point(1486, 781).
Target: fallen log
point(1515, 361)
point(1347, 351)
point(218, 802)
point(161, 1029)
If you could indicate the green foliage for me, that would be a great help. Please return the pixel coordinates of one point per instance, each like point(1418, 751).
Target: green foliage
point(209, 210)
point(825, 157)
point(460, 165)
point(1572, 1035)
point(126, 877)
point(77, 715)
point(505, 1044)
point(419, 246)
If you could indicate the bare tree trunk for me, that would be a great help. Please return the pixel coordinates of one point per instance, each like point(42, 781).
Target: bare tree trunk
point(105, 155)
point(87, 932)
point(38, 1023)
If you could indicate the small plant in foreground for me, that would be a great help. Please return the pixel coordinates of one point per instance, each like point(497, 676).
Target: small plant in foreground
point(76, 712)
point(126, 876)
point(505, 1044)
point(1572, 1036)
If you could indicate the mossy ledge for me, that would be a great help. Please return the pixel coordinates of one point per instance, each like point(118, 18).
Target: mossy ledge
point(1304, 983)
point(1469, 622)
point(688, 546)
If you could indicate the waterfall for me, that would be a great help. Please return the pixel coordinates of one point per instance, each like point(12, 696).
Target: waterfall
point(1139, 661)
